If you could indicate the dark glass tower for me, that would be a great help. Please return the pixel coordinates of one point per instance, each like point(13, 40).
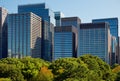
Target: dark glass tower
point(48, 23)
point(65, 42)
point(3, 32)
point(68, 21)
point(94, 38)
point(113, 50)
point(114, 31)
point(113, 22)
point(58, 16)
point(72, 21)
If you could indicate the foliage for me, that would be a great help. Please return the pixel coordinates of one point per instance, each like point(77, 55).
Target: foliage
point(117, 71)
point(13, 61)
point(97, 65)
point(115, 65)
point(84, 68)
point(21, 69)
point(44, 75)
point(32, 66)
point(9, 70)
point(5, 79)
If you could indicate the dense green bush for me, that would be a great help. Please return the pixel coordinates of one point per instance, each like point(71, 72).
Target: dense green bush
point(5, 79)
point(84, 68)
point(21, 69)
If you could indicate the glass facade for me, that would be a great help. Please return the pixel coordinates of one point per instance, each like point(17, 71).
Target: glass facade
point(39, 9)
point(68, 21)
point(72, 21)
point(113, 22)
point(58, 16)
point(24, 31)
point(48, 22)
point(3, 32)
point(113, 50)
point(94, 39)
point(63, 45)
point(114, 31)
point(64, 42)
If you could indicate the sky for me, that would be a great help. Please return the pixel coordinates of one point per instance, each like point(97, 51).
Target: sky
point(86, 10)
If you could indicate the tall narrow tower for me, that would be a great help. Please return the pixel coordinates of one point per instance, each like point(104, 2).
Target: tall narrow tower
point(3, 32)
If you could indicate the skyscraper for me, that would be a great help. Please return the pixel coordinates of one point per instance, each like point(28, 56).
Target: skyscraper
point(68, 21)
point(3, 32)
point(65, 42)
point(95, 39)
point(114, 31)
point(24, 35)
point(113, 57)
point(72, 21)
point(48, 22)
point(58, 16)
point(113, 22)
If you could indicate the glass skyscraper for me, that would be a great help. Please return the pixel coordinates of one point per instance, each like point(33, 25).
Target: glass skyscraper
point(114, 30)
point(58, 16)
point(113, 22)
point(3, 32)
point(65, 42)
point(24, 35)
point(94, 38)
point(68, 21)
point(113, 57)
point(48, 22)
point(72, 21)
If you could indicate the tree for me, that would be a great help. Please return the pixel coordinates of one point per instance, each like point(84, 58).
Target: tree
point(100, 67)
point(5, 79)
point(44, 75)
point(10, 71)
point(116, 70)
point(32, 66)
point(65, 68)
point(84, 68)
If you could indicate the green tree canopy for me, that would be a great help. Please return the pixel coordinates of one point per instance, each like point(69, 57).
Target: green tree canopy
point(84, 68)
point(11, 71)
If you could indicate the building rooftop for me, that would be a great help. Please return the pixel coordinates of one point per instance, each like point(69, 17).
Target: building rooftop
point(94, 25)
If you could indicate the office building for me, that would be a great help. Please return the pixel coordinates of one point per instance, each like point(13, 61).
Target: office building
point(68, 21)
point(3, 32)
point(58, 16)
point(48, 22)
point(65, 42)
point(114, 31)
point(24, 35)
point(95, 39)
point(113, 22)
point(113, 50)
point(40, 9)
point(72, 21)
